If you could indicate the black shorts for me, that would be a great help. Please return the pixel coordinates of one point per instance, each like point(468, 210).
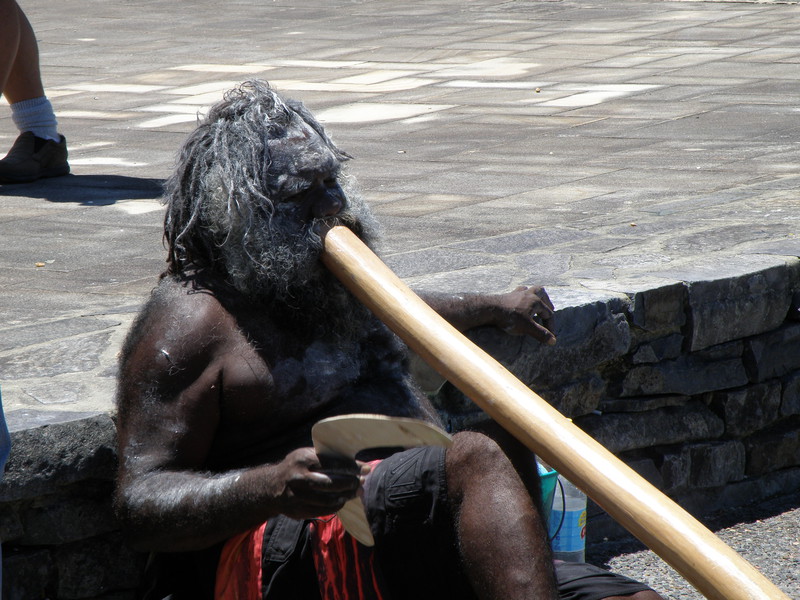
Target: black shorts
point(415, 546)
point(416, 553)
point(581, 581)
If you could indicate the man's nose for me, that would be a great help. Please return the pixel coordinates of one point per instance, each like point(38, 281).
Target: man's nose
point(328, 203)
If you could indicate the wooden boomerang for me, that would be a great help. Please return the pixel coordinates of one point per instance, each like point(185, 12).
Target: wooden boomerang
point(347, 435)
point(701, 557)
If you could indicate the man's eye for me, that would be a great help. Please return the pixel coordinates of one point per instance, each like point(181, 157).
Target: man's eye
point(298, 197)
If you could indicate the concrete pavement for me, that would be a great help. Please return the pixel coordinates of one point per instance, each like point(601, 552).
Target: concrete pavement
point(592, 147)
point(584, 146)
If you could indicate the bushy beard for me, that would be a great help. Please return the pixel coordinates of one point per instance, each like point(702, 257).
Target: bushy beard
point(278, 265)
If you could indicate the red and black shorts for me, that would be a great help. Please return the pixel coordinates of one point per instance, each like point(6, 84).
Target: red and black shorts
point(415, 553)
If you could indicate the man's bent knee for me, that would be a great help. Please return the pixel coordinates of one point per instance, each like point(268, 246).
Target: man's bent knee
point(475, 456)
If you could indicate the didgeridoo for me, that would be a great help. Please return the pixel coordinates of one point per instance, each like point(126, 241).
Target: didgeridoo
point(689, 547)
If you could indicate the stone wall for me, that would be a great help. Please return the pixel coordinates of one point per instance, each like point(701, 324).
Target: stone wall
point(60, 538)
point(695, 384)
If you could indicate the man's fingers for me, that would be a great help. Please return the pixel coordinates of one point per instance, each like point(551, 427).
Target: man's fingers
point(332, 482)
point(542, 294)
point(540, 313)
point(318, 485)
point(542, 334)
point(548, 321)
point(337, 464)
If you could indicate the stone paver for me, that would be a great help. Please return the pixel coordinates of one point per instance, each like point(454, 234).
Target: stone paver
point(592, 147)
point(583, 146)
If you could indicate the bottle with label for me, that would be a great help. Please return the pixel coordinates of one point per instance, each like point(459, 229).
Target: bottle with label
point(568, 522)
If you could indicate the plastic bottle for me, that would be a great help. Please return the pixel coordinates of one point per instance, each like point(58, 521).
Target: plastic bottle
point(568, 535)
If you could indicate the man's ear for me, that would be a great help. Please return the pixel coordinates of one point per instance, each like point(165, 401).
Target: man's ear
point(300, 109)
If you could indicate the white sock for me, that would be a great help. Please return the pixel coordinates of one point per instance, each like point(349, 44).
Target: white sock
point(36, 115)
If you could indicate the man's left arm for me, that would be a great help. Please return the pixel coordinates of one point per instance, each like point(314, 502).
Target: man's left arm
point(527, 310)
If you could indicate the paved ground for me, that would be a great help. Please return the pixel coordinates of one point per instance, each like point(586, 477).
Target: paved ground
point(767, 535)
point(584, 145)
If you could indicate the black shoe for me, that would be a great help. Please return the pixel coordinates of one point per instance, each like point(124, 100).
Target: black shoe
point(33, 157)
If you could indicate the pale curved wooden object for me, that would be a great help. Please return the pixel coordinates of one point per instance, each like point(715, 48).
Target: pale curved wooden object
point(347, 435)
point(689, 547)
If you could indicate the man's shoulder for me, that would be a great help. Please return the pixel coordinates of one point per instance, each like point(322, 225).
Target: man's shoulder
point(187, 296)
point(179, 309)
point(179, 321)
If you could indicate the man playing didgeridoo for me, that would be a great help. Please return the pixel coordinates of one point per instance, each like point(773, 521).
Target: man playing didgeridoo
point(246, 343)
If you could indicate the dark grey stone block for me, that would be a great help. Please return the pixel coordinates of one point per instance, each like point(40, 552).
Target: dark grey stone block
point(588, 335)
point(772, 451)
point(666, 348)
point(10, 523)
point(641, 404)
point(672, 425)
point(676, 469)
point(725, 351)
point(28, 575)
point(97, 566)
point(747, 410)
point(646, 468)
point(794, 307)
point(790, 397)
point(580, 397)
point(756, 489)
point(660, 309)
point(502, 347)
point(745, 492)
point(60, 519)
point(716, 463)
point(774, 354)
point(686, 375)
point(46, 457)
point(735, 307)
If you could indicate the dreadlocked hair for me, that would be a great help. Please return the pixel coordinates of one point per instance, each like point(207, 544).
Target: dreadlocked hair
point(223, 174)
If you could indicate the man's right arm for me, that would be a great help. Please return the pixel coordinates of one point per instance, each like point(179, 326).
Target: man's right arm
point(171, 382)
point(527, 310)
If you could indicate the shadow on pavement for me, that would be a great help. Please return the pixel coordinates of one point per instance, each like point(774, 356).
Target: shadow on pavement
point(90, 190)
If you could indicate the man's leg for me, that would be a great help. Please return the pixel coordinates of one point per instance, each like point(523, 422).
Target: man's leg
point(522, 458)
point(501, 535)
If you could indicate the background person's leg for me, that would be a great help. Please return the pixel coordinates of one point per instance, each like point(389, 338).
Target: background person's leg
point(20, 78)
point(39, 151)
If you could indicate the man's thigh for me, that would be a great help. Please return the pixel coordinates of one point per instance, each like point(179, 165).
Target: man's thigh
point(416, 545)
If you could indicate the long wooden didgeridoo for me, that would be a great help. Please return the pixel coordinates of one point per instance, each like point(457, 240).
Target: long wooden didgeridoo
point(695, 552)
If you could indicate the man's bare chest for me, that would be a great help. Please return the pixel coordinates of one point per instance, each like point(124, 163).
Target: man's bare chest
point(272, 395)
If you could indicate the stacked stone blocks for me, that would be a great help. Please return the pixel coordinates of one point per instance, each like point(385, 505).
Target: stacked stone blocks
point(695, 384)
